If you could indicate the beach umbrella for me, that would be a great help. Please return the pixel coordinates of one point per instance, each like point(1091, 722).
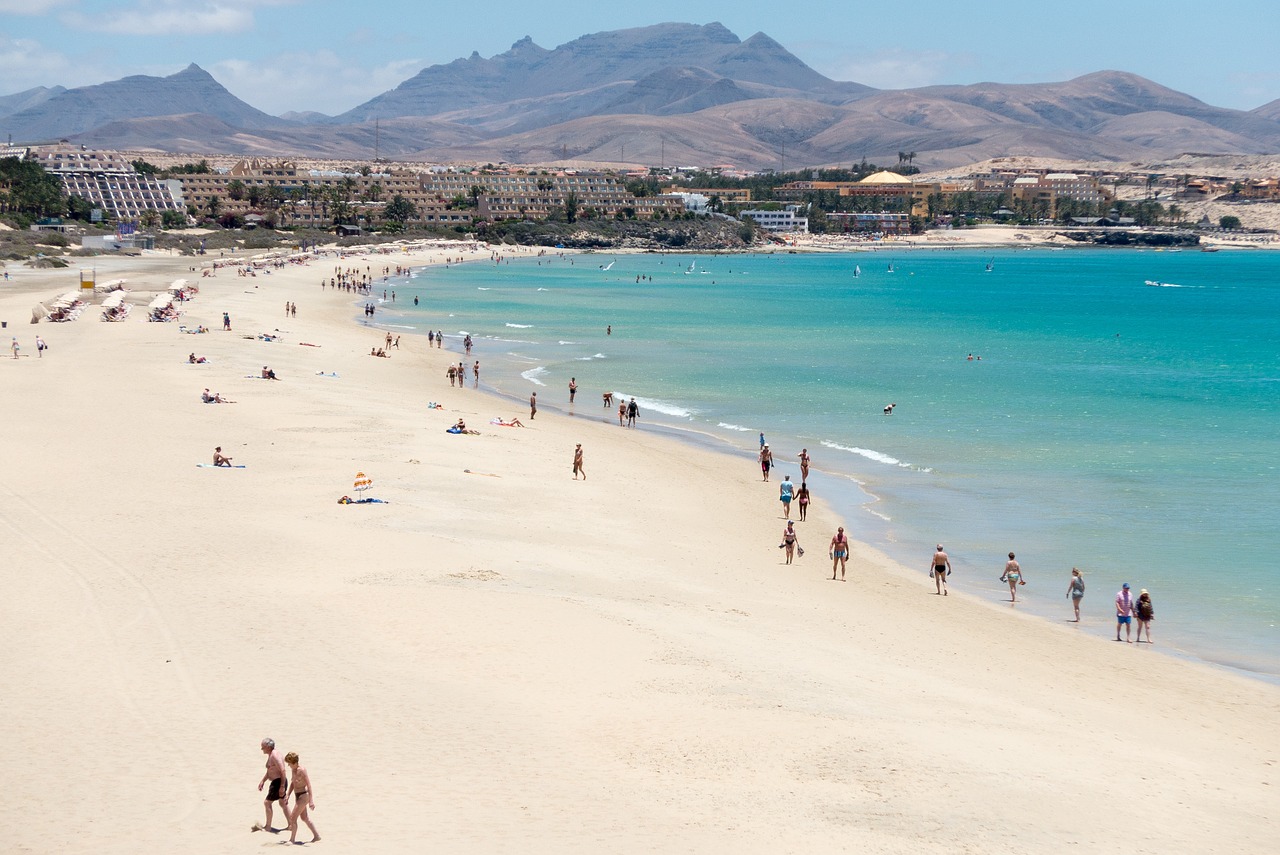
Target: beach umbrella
point(363, 482)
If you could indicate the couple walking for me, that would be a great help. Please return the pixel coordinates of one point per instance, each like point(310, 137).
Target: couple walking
point(299, 787)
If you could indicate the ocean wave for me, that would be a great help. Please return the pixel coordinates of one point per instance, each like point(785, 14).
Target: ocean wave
point(533, 373)
point(566, 342)
point(728, 426)
point(658, 406)
point(482, 289)
point(520, 326)
point(544, 289)
point(872, 454)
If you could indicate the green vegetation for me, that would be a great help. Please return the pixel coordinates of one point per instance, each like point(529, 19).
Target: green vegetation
point(28, 191)
point(1229, 222)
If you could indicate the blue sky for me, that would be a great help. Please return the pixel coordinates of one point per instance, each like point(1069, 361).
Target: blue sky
point(329, 56)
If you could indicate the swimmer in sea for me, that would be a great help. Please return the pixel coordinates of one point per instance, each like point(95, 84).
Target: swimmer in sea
point(888, 411)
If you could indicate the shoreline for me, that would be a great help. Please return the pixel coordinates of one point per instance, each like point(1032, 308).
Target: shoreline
point(539, 662)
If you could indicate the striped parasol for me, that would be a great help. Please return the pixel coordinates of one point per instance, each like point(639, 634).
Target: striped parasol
point(363, 482)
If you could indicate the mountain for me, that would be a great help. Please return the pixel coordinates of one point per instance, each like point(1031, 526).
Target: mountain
point(10, 104)
point(1268, 111)
point(190, 91)
point(528, 72)
point(673, 93)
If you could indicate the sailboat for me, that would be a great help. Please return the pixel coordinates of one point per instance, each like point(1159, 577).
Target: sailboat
point(611, 263)
point(692, 266)
point(990, 265)
point(857, 271)
point(890, 266)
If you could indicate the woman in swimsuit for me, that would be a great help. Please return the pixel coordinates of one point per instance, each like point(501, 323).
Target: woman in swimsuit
point(300, 789)
point(1013, 575)
point(802, 496)
point(789, 540)
point(1075, 590)
point(804, 465)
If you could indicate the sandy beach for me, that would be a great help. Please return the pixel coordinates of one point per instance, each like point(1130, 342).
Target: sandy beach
point(502, 658)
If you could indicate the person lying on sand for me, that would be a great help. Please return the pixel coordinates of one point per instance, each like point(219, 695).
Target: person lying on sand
point(196, 360)
point(513, 423)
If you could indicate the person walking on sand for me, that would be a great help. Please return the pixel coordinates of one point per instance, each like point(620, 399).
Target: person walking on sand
point(790, 541)
point(573, 388)
point(15, 347)
point(622, 413)
point(1013, 575)
point(41, 347)
point(802, 499)
point(804, 465)
point(784, 495)
point(304, 798)
point(226, 321)
point(940, 569)
point(1145, 612)
point(766, 460)
point(277, 791)
point(839, 553)
point(475, 374)
point(577, 463)
point(1075, 590)
point(533, 405)
point(1124, 613)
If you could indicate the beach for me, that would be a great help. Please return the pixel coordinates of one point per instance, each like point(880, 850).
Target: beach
point(501, 657)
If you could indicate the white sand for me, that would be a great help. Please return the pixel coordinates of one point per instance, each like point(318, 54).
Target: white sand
point(508, 660)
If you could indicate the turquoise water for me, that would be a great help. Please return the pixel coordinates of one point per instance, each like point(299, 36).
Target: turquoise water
point(1125, 429)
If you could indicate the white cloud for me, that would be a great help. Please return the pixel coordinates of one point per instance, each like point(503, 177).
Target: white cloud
point(172, 17)
point(31, 8)
point(321, 81)
point(896, 68)
point(26, 64)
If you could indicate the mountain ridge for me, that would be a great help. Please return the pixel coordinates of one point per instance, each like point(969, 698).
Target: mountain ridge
point(696, 91)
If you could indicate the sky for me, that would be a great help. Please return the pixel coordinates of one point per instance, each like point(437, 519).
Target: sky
point(329, 56)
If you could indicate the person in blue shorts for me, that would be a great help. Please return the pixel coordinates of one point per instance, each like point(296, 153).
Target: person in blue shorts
point(1124, 613)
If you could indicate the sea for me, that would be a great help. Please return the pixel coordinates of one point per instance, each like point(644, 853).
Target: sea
point(1108, 409)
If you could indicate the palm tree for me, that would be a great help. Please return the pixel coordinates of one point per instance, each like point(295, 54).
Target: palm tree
point(214, 205)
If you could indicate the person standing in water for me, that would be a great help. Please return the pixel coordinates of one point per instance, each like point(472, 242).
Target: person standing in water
point(1145, 612)
point(573, 388)
point(804, 464)
point(1013, 575)
point(1075, 590)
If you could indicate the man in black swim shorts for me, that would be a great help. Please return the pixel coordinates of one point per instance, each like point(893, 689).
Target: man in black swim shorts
point(279, 785)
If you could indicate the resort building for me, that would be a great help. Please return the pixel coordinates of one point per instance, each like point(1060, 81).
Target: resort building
point(882, 222)
point(1046, 192)
point(107, 181)
point(787, 220)
point(728, 195)
point(524, 196)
